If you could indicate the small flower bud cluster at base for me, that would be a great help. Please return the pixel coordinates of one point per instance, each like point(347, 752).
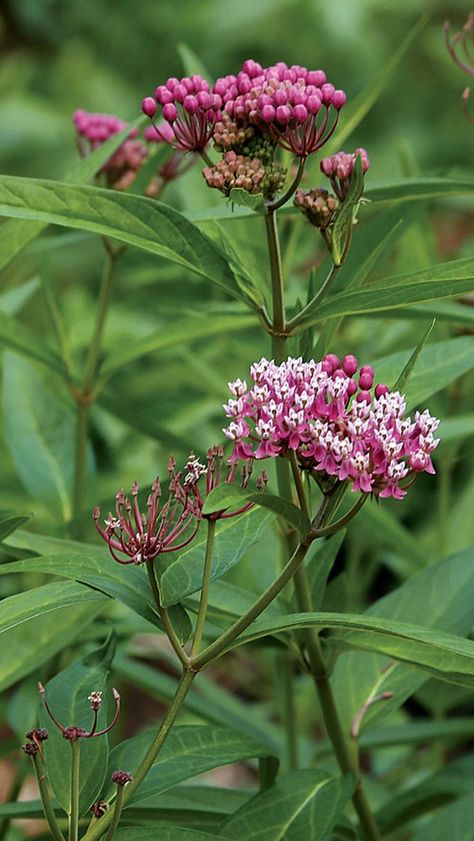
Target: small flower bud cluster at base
point(235, 171)
point(338, 424)
point(121, 778)
point(35, 739)
point(318, 206)
point(227, 134)
point(339, 169)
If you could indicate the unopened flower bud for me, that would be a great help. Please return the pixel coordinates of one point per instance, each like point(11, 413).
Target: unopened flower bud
point(98, 809)
point(121, 778)
point(31, 748)
point(149, 106)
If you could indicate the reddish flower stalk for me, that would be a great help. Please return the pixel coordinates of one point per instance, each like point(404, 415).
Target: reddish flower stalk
point(72, 733)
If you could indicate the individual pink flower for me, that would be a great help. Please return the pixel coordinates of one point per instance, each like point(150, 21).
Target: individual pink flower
point(336, 419)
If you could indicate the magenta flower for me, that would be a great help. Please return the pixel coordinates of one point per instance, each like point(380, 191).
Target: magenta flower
point(296, 106)
point(337, 423)
point(190, 110)
point(339, 169)
point(94, 129)
point(164, 528)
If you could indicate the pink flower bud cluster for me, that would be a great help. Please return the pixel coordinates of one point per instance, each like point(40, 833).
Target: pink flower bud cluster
point(337, 423)
point(339, 169)
point(189, 107)
point(297, 106)
point(235, 171)
point(95, 129)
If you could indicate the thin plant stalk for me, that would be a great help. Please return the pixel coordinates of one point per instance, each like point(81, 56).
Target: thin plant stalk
point(96, 831)
point(45, 795)
point(163, 614)
point(117, 811)
point(206, 583)
point(74, 800)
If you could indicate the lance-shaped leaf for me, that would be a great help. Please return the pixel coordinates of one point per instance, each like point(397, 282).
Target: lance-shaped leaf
point(229, 496)
point(67, 696)
point(162, 832)
point(183, 572)
point(300, 806)
point(188, 751)
point(446, 656)
point(133, 220)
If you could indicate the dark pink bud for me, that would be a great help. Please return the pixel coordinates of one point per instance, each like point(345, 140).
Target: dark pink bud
point(300, 113)
point(327, 92)
point(339, 99)
point(172, 82)
point(283, 114)
point(339, 372)
point(180, 93)
point(350, 364)
point(170, 112)
point(187, 83)
point(333, 360)
point(366, 381)
point(363, 397)
point(149, 106)
point(121, 778)
point(252, 68)
point(221, 87)
point(367, 369)
point(381, 389)
point(204, 99)
point(316, 77)
point(268, 113)
point(280, 97)
point(313, 104)
point(352, 387)
point(244, 84)
point(190, 104)
point(326, 167)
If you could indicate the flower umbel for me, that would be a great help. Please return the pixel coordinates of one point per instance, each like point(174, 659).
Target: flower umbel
point(337, 423)
point(72, 733)
point(190, 110)
point(134, 537)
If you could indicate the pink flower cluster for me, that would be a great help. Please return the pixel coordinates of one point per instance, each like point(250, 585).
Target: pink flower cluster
point(339, 169)
point(190, 109)
point(95, 129)
point(338, 424)
point(298, 107)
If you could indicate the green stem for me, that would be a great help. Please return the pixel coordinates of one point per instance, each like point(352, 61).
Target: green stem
point(220, 644)
point(74, 801)
point(163, 614)
point(284, 681)
point(118, 806)
point(84, 396)
point(40, 772)
point(339, 740)
point(294, 323)
point(96, 831)
point(278, 328)
point(206, 583)
point(283, 200)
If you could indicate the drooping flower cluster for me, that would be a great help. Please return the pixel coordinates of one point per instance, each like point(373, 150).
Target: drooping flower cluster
point(340, 167)
point(318, 206)
point(337, 423)
point(122, 167)
point(165, 527)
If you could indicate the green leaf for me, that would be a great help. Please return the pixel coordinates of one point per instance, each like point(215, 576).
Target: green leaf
point(446, 656)
point(188, 750)
point(67, 696)
point(230, 496)
point(439, 596)
point(206, 700)
point(254, 201)
point(300, 806)
point(320, 561)
point(17, 234)
point(8, 524)
point(178, 332)
point(14, 335)
point(132, 220)
point(14, 299)
point(437, 365)
point(355, 111)
point(459, 426)
point(183, 573)
point(36, 639)
point(345, 218)
point(39, 431)
point(50, 597)
point(94, 567)
point(407, 371)
point(455, 277)
point(162, 833)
